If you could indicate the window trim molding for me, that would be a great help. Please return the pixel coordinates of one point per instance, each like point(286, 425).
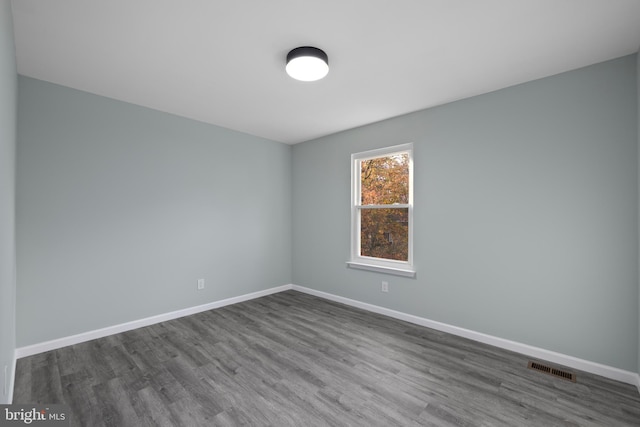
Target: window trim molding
point(396, 271)
point(380, 265)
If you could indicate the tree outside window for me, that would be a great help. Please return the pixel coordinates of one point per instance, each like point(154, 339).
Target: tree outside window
point(382, 209)
point(384, 232)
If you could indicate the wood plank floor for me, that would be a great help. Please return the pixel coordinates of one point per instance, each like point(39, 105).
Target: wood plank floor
point(291, 359)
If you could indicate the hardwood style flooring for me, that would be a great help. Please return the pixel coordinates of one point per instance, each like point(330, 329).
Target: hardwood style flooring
point(291, 359)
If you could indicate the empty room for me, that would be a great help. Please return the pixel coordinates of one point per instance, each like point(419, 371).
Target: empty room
point(319, 213)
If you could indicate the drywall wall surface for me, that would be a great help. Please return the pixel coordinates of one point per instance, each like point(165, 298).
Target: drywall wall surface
point(121, 209)
point(526, 214)
point(8, 111)
point(638, 110)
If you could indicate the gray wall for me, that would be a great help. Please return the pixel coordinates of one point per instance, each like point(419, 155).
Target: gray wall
point(8, 107)
point(121, 209)
point(8, 110)
point(526, 204)
point(638, 107)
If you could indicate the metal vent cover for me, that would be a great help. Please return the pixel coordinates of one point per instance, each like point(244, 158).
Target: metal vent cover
point(566, 375)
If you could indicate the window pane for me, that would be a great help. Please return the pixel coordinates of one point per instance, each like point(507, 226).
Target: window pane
point(385, 180)
point(384, 233)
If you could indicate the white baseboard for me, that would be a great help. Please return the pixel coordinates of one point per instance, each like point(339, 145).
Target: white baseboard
point(12, 380)
point(123, 327)
point(621, 375)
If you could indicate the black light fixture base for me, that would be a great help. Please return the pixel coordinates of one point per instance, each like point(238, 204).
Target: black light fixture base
point(307, 51)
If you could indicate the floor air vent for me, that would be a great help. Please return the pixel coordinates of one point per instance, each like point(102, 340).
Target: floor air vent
point(536, 366)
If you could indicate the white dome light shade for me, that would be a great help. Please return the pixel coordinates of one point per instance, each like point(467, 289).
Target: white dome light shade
point(307, 64)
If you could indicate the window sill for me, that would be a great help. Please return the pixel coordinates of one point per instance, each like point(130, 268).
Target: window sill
point(396, 271)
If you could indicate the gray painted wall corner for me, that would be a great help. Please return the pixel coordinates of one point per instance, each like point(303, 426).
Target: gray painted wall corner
point(8, 112)
point(123, 208)
point(638, 108)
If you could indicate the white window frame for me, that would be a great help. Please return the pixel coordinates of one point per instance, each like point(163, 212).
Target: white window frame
point(381, 265)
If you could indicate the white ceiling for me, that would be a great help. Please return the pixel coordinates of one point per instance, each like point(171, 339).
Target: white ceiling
point(222, 61)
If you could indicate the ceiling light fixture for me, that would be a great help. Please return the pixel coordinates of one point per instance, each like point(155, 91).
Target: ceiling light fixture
point(307, 63)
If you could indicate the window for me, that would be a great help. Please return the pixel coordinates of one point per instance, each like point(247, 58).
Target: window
point(382, 210)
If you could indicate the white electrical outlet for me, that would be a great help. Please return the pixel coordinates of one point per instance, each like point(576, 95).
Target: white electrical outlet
point(200, 284)
point(385, 287)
